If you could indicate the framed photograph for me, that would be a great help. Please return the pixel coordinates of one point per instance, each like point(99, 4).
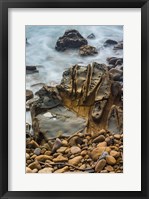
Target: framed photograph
point(74, 99)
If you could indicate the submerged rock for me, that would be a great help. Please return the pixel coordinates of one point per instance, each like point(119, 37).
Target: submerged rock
point(31, 69)
point(119, 46)
point(70, 39)
point(91, 36)
point(109, 42)
point(115, 61)
point(87, 50)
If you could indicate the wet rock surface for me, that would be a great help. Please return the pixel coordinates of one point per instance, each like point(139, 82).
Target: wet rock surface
point(115, 61)
point(29, 95)
point(110, 42)
point(91, 36)
point(87, 50)
point(31, 69)
point(118, 46)
point(70, 39)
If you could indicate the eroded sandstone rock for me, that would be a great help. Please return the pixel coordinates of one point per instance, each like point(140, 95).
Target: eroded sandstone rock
point(87, 98)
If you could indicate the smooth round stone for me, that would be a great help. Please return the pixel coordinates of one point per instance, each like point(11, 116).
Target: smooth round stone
point(43, 158)
point(46, 146)
point(27, 156)
point(34, 144)
point(117, 136)
point(75, 149)
point(35, 165)
point(96, 153)
point(84, 152)
point(46, 170)
point(62, 170)
point(104, 171)
point(83, 166)
point(109, 168)
point(102, 144)
point(28, 170)
point(110, 160)
point(64, 143)
point(98, 139)
point(47, 153)
point(115, 154)
point(60, 158)
point(34, 170)
point(61, 149)
point(76, 160)
point(100, 165)
point(56, 145)
point(33, 156)
point(43, 151)
point(37, 151)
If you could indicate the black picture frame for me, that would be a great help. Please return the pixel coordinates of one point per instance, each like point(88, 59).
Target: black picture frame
point(4, 6)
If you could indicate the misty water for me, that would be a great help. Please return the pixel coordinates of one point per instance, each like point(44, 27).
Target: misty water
point(40, 52)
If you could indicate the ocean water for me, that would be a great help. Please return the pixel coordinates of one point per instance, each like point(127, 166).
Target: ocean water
point(40, 51)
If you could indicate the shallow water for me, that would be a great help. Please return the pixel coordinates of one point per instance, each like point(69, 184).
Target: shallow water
point(51, 64)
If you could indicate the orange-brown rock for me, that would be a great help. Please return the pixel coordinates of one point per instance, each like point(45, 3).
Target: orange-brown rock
point(87, 97)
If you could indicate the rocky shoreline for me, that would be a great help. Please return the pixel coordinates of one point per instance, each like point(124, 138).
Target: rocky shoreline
point(77, 126)
point(83, 152)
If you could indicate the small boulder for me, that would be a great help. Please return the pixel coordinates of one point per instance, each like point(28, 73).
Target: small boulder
point(119, 46)
point(31, 69)
point(70, 39)
point(110, 160)
point(29, 95)
point(100, 165)
point(28, 170)
point(102, 144)
point(87, 50)
point(27, 156)
point(110, 42)
point(115, 154)
point(116, 74)
point(56, 145)
point(46, 170)
point(75, 161)
point(62, 149)
point(115, 61)
point(98, 139)
point(60, 158)
point(96, 153)
point(75, 149)
point(43, 158)
point(35, 165)
point(62, 170)
point(109, 168)
point(91, 36)
point(37, 151)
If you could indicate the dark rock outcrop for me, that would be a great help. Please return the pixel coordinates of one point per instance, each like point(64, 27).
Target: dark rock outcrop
point(31, 69)
point(110, 42)
point(115, 61)
point(70, 39)
point(119, 46)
